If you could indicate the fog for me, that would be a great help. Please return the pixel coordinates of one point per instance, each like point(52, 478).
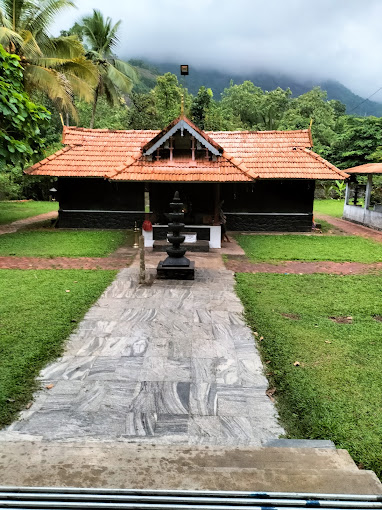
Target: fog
point(308, 39)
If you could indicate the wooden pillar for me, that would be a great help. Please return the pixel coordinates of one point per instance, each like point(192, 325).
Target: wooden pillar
point(217, 204)
point(369, 186)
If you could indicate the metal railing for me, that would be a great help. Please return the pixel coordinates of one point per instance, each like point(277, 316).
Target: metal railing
point(77, 498)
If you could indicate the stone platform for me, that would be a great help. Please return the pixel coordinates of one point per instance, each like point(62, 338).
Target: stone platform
point(176, 272)
point(198, 246)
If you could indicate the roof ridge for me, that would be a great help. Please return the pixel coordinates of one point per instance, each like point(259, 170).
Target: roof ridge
point(239, 164)
point(246, 131)
point(324, 161)
point(124, 166)
point(106, 130)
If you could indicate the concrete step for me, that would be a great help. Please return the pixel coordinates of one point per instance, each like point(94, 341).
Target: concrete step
point(124, 465)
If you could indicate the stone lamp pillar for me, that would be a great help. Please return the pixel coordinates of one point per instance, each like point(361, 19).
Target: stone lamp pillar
point(176, 265)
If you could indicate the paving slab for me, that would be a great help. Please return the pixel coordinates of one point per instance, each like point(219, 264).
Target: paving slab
point(171, 362)
point(200, 467)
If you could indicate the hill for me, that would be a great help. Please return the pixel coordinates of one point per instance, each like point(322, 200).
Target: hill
point(218, 81)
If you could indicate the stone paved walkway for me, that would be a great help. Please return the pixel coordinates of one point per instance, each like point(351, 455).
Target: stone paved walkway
point(17, 225)
point(170, 362)
point(352, 228)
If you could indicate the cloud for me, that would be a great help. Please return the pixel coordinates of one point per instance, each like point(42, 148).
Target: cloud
point(311, 39)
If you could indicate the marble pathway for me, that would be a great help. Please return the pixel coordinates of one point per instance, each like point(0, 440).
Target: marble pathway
point(171, 362)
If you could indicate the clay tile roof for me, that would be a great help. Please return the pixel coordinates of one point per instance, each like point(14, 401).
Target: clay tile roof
point(368, 168)
point(244, 156)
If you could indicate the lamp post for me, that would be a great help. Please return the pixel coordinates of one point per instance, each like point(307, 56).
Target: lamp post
point(52, 192)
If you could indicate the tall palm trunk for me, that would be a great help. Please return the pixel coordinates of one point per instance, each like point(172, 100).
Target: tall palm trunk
point(96, 93)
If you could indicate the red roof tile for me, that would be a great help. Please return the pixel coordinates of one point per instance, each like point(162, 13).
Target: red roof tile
point(368, 168)
point(117, 155)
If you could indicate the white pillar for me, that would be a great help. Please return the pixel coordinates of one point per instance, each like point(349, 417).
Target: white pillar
point(347, 193)
point(369, 186)
point(149, 238)
point(215, 236)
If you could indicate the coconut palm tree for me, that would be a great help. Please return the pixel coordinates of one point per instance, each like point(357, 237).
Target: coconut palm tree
point(56, 66)
point(114, 75)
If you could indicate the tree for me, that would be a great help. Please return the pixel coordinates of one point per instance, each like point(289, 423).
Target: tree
point(272, 107)
point(20, 119)
point(56, 66)
point(200, 106)
point(243, 101)
point(167, 95)
point(358, 141)
point(143, 112)
point(107, 118)
point(256, 109)
point(114, 75)
point(312, 106)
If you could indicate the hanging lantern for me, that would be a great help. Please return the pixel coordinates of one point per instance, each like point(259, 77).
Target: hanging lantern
point(184, 70)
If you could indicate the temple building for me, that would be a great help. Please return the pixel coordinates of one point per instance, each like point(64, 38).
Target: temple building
point(363, 200)
point(110, 179)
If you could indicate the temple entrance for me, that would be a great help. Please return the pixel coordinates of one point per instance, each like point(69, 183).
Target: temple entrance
point(198, 200)
point(201, 213)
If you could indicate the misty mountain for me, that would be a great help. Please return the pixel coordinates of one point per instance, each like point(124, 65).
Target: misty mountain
point(219, 80)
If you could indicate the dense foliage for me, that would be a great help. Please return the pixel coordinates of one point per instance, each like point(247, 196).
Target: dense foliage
point(55, 65)
point(20, 119)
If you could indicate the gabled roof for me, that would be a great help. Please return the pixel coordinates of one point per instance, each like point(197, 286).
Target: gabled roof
point(242, 156)
point(93, 152)
point(180, 124)
point(368, 168)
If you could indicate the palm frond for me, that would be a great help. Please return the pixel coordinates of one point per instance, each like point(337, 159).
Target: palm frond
point(80, 87)
point(120, 80)
point(54, 84)
point(100, 33)
point(110, 91)
point(126, 69)
point(4, 20)
point(9, 37)
point(80, 67)
point(29, 47)
point(13, 10)
point(42, 13)
point(65, 47)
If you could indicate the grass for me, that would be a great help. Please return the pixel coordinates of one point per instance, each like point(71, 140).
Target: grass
point(335, 393)
point(36, 316)
point(332, 207)
point(310, 248)
point(13, 211)
point(63, 243)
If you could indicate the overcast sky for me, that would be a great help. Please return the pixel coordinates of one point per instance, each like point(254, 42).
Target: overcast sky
point(336, 39)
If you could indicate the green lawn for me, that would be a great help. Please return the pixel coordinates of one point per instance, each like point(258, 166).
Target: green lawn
point(12, 211)
point(310, 248)
point(331, 207)
point(63, 243)
point(335, 393)
point(36, 316)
